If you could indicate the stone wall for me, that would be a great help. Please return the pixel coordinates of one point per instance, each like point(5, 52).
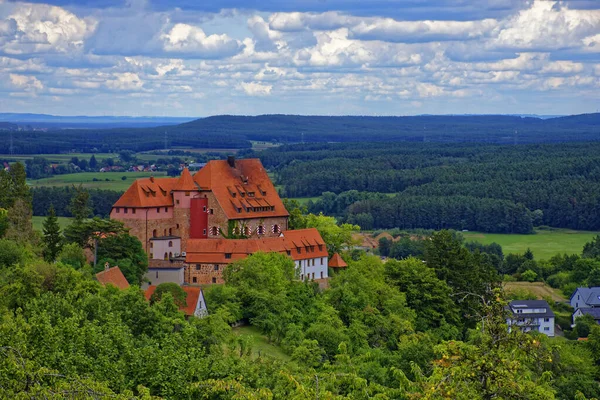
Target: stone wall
point(204, 274)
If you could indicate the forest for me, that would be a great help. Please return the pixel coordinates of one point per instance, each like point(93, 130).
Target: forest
point(490, 188)
point(236, 132)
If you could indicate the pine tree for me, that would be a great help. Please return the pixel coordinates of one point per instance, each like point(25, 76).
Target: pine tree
point(80, 205)
point(93, 163)
point(52, 236)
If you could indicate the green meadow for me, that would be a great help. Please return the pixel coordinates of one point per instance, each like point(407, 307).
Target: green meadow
point(260, 344)
point(103, 180)
point(544, 243)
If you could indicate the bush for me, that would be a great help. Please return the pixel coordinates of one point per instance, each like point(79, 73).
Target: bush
point(10, 253)
point(529, 276)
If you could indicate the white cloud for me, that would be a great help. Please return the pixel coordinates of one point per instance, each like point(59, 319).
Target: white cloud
point(26, 83)
point(40, 28)
point(256, 89)
point(126, 81)
point(192, 41)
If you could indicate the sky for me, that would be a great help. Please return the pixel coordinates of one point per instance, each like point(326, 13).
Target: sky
point(197, 58)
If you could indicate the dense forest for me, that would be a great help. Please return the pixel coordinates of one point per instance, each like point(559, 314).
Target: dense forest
point(236, 132)
point(492, 188)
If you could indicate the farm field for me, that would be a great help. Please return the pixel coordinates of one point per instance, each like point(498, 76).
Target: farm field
point(38, 222)
point(544, 243)
point(260, 344)
point(66, 157)
point(305, 200)
point(541, 290)
point(104, 180)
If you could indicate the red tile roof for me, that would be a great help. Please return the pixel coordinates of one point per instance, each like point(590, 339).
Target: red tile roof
point(185, 181)
point(112, 276)
point(337, 261)
point(193, 294)
point(243, 191)
point(148, 192)
point(212, 251)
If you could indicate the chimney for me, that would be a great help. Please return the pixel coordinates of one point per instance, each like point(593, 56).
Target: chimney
point(231, 161)
point(106, 266)
point(151, 179)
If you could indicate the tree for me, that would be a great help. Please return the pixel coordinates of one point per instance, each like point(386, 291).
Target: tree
point(127, 252)
point(3, 221)
point(583, 325)
point(93, 163)
point(529, 276)
point(337, 237)
point(80, 204)
point(72, 255)
point(297, 219)
point(592, 249)
point(179, 295)
point(10, 253)
point(52, 236)
point(20, 227)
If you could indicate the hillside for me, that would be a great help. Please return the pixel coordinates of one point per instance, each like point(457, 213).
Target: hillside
point(236, 132)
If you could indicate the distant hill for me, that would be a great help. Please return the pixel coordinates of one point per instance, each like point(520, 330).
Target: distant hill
point(29, 121)
point(8, 125)
point(236, 132)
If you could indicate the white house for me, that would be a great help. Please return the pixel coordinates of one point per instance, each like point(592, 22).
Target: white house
point(594, 312)
point(531, 315)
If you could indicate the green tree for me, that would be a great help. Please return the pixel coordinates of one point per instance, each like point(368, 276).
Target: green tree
point(529, 276)
point(79, 206)
point(127, 252)
point(592, 249)
point(3, 221)
point(297, 219)
point(10, 253)
point(337, 237)
point(72, 254)
point(52, 236)
point(583, 325)
point(20, 227)
point(93, 163)
point(179, 295)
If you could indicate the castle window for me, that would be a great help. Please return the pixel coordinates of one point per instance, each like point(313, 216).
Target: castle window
point(228, 256)
point(154, 233)
point(236, 231)
point(214, 231)
point(176, 201)
point(133, 210)
point(166, 209)
point(166, 257)
point(247, 231)
point(194, 280)
point(197, 267)
point(204, 232)
point(165, 232)
point(320, 247)
point(170, 243)
point(214, 280)
point(156, 274)
point(216, 267)
point(151, 245)
point(299, 250)
point(177, 226)
point(260, 230)
point(211, 211)
point(117, 210)
point(322, 261)
point(158, 210)
point(170, 231)
point(204, 208)
point(170, 255)
point(187, 193)
point(151, 256)
point(125, 210)
point(289, 253)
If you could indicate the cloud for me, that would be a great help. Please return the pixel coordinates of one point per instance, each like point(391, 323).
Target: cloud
point(40, 28)
point(184, 39)
point(26, 83)
point(126, 81)
point(256, 89)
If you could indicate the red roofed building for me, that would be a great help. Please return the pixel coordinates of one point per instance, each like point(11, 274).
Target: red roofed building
point(199, 223)
point(112, 276)
point(195, 304)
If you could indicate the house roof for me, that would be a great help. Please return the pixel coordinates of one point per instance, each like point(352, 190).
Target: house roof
point(243, 191)
point(213, 251)
point(193, 294)
point(590, 295)
point(594, 312)
point(337, 261)
point(185, 181)
point(148, 192)
point(531, 304)
point(112, 276)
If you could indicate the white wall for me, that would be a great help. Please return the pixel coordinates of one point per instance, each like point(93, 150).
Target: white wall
point(156, 276)
point(161, 246)
point(529, 324)
point(307, 270)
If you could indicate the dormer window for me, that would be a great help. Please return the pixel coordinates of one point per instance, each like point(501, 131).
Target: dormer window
point(250, 194)
point(228, 256)
point(299, 250)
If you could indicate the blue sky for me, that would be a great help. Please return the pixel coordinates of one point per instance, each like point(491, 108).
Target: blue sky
point(332, 57)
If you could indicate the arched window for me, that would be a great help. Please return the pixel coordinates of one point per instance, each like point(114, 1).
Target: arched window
point(236, 231)
point(170, 243)
point(165, 232)
point(276, 229)
point(260, 230)
point(247, 231)
point(170, 255)
point(214, 231)
point(170, 231)
point(166, 256)
point(154, 233)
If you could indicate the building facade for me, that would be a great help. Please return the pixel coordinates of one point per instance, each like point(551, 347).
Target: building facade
point(531, 315)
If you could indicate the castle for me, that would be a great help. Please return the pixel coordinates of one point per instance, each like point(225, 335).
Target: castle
point(191, 227)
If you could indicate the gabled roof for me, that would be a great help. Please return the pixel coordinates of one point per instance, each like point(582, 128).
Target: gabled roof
point(112, 276)
point(594, 312)
point(148, 192)
point(337, 261)
point(213, 251)
point(590, 295)
point(193, 294)
point(531, 304)
point(243, 191)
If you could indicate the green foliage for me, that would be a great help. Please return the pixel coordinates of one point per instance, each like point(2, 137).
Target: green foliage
point(127, 252)
point(53, 240)
point(3, 221)
point(583, 325)
point(297, 212)
point(10, 253)
point(72, 255)
point(592, 249)
point(79, 206)
point(529, 276)
point(179, 295)
point(337, 237)
point(20, 227)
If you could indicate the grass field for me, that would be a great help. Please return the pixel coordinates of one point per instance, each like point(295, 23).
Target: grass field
point(86, 179)
point(59, 158)
point(541, 290)
point(304, 200)
point(38, 221)
point(260, 344)
point(544, 243)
